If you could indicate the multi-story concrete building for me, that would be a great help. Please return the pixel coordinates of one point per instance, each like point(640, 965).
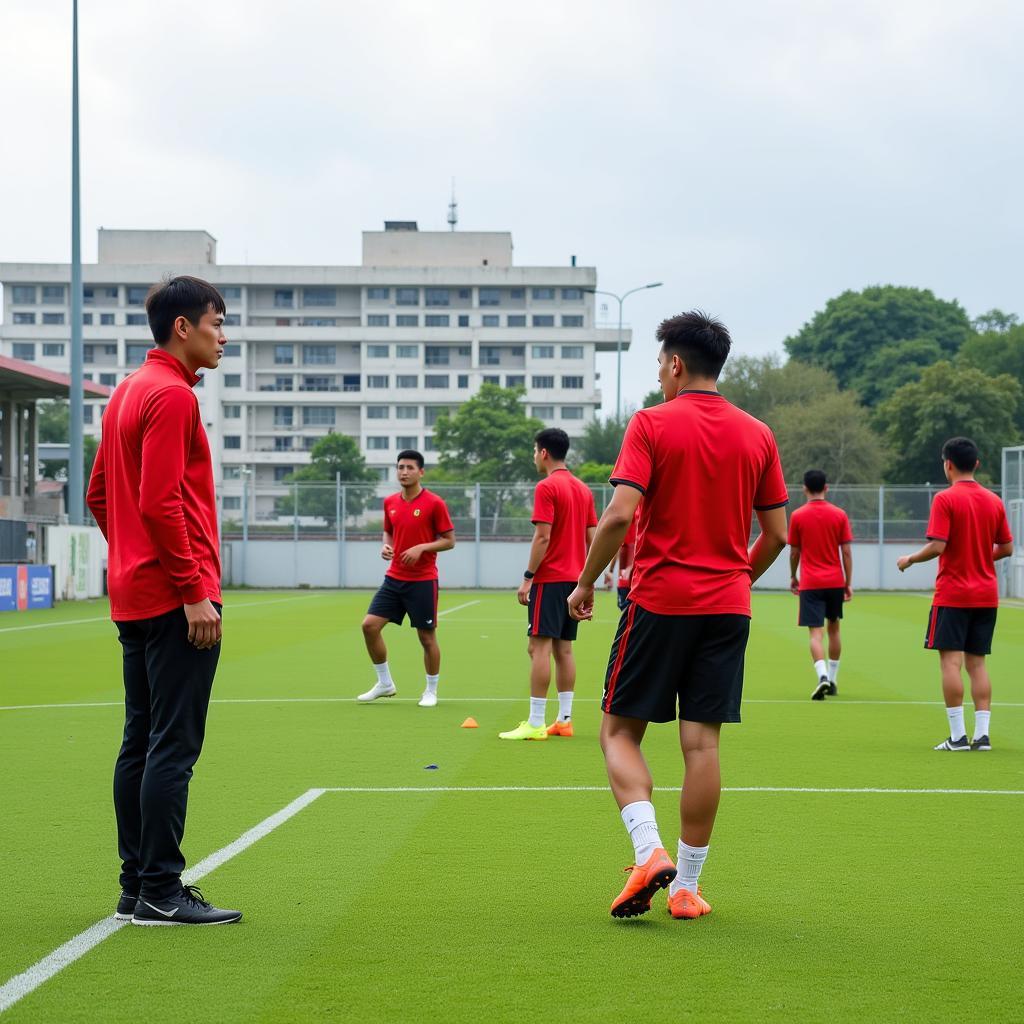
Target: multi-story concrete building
point(377, 351)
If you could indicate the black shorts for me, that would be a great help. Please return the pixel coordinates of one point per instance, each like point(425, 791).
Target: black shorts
point(398, 598)
point(659, 660)
point(818, 605)
point(961, 629)
point(623, 598)
point(549, 611)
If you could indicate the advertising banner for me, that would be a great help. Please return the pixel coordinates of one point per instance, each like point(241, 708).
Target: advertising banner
point(25, 586)
point(8, 588)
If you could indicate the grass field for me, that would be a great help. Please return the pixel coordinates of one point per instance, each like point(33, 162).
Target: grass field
point(380, 901)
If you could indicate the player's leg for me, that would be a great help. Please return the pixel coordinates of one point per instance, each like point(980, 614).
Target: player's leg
point(950, 665)
point(431, 665)
point(835, 649)
point(539, 632)
point(373, 626)
point(812, 615)
point(419, 600)
point(565, 683)
point(981, 696)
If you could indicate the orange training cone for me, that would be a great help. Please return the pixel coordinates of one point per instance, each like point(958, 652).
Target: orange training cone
point(470, 723)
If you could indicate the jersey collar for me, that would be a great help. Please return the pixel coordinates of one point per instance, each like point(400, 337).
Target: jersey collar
point(164, 358)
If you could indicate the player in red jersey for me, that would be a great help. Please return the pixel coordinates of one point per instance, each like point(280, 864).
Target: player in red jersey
point(564, 519)
point(621, 569)
point(416, 527)
point(820, 539)
point(968, 533)
point(703, 467)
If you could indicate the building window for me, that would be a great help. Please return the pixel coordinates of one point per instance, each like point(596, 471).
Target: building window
point(350, 382)
point(407, 296)
point(106, 319)
point(490, 355)
point(377, 381)
point(231, 293)
point(377, 412)
point(544, 321)
point(378, 351)
point(517, 293)
point(284, 416)
point(378, 320)
point(23, 294)
point(436, 320)
point(517, 320)
point(24, 318)
point(109, 379)
point(407, 412)
point(53, 349)
point(572, 351)
point(233, 351)
point(465, 294)
point(572, 294)
point(572, 412)
point(492, 378)
point(515, 380)
point(407, 441)
point(319, 355)
point(437, 297)
point(463, 380)
point(437, 355)
point(463, 319)
point(234, 380)
point(377, 443)
point(232, 472)
point(491, 320)
point(136, 319)
point(433, 413)
point(435, 380)
point(232, 503)
point(319, 297)
point(544, 412)
point(283, 444)
point(378, 294)
point(407, 320)
point(284, 298)
point(232, 412)
point(542, 351)
point(53, 294)
point(284, 355)
point(572, 321)
point(232, 320)
point(87, 414)
point(542, 383)
point(318, 416)
point(135, 355)
point(86, 318)
point(544, 294)
point(490, 297)
point(429, 444)
point(232, 441)
point(318, 321)
point(572, 383)
point(281, 474)
point(23, 350)
point(407, 380)
point(407, 351)
point(135, 296)
point(280, 383)
point(317, 384)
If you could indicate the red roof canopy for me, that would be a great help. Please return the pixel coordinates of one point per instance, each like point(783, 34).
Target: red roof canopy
point(24, 381)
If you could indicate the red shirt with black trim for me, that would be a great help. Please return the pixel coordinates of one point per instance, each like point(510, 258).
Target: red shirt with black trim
point(567, 504)
point(152, 495)
point(420, 521)
point(703, 467)
point(817, 528)
point(971, 520)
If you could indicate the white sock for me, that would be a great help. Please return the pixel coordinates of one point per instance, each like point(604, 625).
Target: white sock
point(538, 709)
point(432, 683)
point(690, 861)
point(564, 705)
point(981, 720)
point(956, 723)
point(833, 670)
point(383, 674)
point(821, 669)
point(642, 827)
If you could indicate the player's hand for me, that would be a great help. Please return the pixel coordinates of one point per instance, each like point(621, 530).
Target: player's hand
point(410, 556)
point(204, 625)
point(625, 575)
point(608, 580)
point(387, 552)
point(903, 563)
point(847, 593)
point(523, 593)
point(581, 603)
point(794, 587)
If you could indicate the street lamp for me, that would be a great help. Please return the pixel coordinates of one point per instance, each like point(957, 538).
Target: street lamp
point(618, 344)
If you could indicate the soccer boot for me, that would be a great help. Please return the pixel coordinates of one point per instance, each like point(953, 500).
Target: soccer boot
point(981, 743)
point(821, 689)
point(832, 688)
point(643, 882)
point(377, 691)
point(561, 729)
point(188, 907)
point(524, 731)
point(126, 905)
point(428, 700)
point(685, 906)
point(951, 744)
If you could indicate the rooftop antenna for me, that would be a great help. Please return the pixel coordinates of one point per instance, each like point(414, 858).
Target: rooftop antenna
point(453, 210)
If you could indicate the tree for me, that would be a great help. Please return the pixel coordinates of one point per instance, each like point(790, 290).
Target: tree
point(997, 352)
point(595, 472)
point(333, 455)
point(761, 384)
point(948, 401)
point(654, 397)
point(844, 336)
point(601, 440)
point(892, 366)
point(995, 321)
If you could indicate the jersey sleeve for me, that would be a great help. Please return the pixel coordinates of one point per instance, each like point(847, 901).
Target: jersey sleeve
point(635, 464)
point(771, 488)
point(591, 510)
point(939, 518)
point(845, 531)
point(543, 503)
point(442, 519)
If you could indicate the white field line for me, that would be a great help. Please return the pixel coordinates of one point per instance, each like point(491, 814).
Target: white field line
point(725, 789)
point(22, 984)
point(457, 608)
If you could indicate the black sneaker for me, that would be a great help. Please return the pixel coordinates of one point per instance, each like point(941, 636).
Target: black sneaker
point(981, 743)
point(821, 689)
point(188, 907)
point(832, 689)
point(126, 905)
point(951, 744)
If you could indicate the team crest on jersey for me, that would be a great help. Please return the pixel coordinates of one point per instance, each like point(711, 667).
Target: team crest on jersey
point(416, 511)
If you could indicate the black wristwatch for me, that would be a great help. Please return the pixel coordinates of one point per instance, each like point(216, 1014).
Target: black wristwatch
point(528, 575)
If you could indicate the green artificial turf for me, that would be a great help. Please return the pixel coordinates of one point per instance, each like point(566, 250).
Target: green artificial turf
point(375, 906)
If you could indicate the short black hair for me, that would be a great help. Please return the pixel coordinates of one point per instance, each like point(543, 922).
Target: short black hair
point(962, 452)
point(815, 480)
point(185, 296)
point(700, 341)
point(410, 453)
point(555, 440)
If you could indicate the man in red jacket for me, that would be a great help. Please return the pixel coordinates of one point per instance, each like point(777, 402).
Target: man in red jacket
point(152, 495)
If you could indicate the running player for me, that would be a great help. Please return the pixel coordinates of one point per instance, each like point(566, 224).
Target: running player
point(820, 538)
point(968, 533)
point(416, 527)
point(564, 519)
point(703, 467)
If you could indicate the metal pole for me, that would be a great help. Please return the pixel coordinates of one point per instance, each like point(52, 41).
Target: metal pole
point(337, 520)
point(881, 537)
point(295, 537)
point(344, 516)
point(618, 368)
point(245, 526)
point(476, 532)
point(76, 485)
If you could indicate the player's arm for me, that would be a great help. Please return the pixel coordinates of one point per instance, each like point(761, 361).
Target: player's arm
point(538, 549)
point(444, 542)
point(794, 565)
point(771, 542)
point(931, 550)
point(1002, 551)
point(847, 552)
point(96, 496)
point(591, 530)
point(387, 549)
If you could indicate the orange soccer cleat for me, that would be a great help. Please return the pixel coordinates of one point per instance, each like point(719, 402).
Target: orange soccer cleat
point(644, 881)
point(685, 906)
point(560, 729)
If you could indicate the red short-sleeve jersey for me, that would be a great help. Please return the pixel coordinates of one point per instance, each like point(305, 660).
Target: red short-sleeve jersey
point(703, 466)
point(420, 521)
point(817, 529)
point(568, 505)
point(970, 519)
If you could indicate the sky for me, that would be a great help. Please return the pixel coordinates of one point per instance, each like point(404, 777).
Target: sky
point(757, 158)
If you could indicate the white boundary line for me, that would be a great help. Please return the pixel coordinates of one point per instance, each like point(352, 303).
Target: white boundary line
point(725, 789)
point(457, 608)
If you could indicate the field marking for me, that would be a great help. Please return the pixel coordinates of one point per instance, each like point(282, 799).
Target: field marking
point(725, 789)
point(74, 949)
point(457, 608)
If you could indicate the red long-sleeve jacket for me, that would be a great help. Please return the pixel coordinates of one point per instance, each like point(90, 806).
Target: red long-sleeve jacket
point(152, 493)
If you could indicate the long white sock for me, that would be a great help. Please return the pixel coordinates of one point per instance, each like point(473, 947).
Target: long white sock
point(833, 670)
point(956, 723)
point(538, 709)
point(981, 720)
point(690, 861)
point(821, 670)
point(383, 674)
point(564, 705)
point(432, 683)
point(642, 826)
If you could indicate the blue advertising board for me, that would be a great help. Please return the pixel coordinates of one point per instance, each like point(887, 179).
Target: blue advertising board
point(8, 588)
point(40, 586)
point(25, 586)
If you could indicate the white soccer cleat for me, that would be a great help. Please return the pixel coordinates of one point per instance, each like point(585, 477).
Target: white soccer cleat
point(428, 700)
point(378, 690)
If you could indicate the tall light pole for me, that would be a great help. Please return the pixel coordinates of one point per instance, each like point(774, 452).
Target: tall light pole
point(76, 485)
point(618, 344)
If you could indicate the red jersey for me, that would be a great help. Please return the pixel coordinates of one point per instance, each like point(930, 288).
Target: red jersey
point(151, 493)
point(703, 466)
point(970, 519)
point(568, 505)
point(420, 521)
point(817, 528)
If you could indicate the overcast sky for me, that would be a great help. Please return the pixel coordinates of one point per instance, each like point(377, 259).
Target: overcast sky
point(758, 158)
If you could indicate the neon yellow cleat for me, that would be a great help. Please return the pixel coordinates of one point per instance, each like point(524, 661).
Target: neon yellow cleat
point(525, 731)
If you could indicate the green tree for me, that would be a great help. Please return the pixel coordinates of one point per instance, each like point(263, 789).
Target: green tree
point(996, 352)
point(654, 397)
point(995, 321)
point(53, 420)
point(601, 440)
point(595, 472)
point(761, 384)
point(852, 327)
point(892, 366)
point(948, 401)
point(332, 455)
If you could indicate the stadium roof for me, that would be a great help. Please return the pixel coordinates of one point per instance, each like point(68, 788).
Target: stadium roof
point(21, 381)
